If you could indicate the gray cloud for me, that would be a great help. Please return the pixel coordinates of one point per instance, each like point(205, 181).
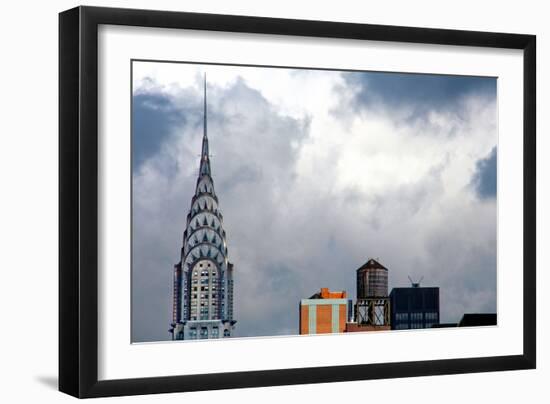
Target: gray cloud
point(411, 98)
point(153, 118)
point(484, 180)
point(289, 235)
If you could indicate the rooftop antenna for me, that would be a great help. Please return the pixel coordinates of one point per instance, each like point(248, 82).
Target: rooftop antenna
point(415, 284)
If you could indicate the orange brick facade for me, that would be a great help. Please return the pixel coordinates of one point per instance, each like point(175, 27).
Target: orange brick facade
point(304, 319)
point(342, 318)
point(324, 319)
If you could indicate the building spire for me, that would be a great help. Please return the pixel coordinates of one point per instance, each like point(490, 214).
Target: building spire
point(205, 115)
point(205, 158)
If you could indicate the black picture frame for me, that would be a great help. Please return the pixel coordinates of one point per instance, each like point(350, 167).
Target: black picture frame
point(78, 200)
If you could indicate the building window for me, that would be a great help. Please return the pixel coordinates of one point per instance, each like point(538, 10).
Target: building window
point(431, 316)
point(402, 316)
point(416, 316)
point(193, 333)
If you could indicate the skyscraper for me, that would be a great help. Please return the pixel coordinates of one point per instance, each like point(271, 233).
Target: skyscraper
point(203, 278)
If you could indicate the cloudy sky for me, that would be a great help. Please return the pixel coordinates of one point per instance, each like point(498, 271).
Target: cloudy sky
point(316, 171)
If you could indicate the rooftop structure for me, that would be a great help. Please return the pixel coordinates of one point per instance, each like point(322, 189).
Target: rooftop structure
point(372, 307)
point(372, 280)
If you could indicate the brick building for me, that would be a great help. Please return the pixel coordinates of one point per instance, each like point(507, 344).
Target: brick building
point(325, 312)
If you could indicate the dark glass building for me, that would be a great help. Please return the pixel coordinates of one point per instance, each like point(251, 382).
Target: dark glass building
point(414, 307)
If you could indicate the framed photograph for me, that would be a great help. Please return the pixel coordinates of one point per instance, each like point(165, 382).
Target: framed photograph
point(250, 201)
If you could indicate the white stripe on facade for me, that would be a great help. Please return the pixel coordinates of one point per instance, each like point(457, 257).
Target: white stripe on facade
point(335, 317)
point(312, 326)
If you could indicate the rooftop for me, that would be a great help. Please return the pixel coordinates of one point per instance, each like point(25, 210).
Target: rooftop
point(325, 293)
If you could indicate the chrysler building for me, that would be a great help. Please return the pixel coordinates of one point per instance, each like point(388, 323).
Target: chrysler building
point(203, 278)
